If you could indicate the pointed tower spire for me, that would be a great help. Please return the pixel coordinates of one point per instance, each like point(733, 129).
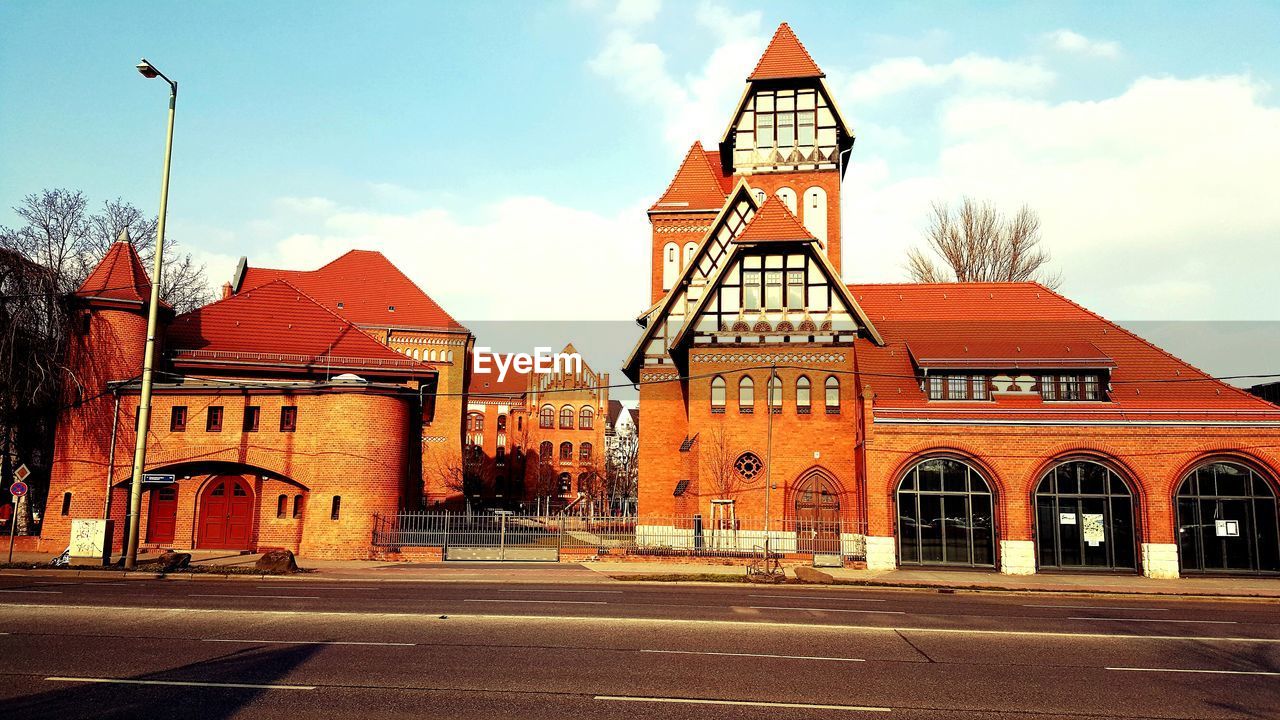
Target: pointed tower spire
point(119, 276)
point(785, 58)
point(774, 222)
point(696, 186)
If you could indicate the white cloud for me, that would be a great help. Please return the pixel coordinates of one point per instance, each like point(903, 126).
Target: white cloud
point(519, 262)
point(1156, 203)
point(1073, 42)
point(693, 106)
point(906, 74)
point(635, 12)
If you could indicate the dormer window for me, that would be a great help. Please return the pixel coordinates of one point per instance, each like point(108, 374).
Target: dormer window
point(391, 308)
point(958, 387)
point(1070, 387)
point(340, 305)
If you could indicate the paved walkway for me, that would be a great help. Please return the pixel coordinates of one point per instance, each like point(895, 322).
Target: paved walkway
point(372, 570)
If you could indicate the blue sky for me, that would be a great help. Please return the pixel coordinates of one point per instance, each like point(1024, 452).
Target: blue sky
point(520, 142)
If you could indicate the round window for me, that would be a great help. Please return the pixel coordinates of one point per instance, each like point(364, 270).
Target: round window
point(748, 465)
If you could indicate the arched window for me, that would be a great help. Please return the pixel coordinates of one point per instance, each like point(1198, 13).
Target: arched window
point(689, 250)
point(1084, 517)
point(815, 213)
point(833, 395)
point(434, 357)
point(586, 419)
point(448, 356)
point(297, 506)
point(584, 452)
point(546, 417)
point(775, 394)
point(566, 452)
point(717, 394)
point(566, 418)
point(788, 198)
point(1227, 520)
point(416, 353)
point(759, 195)
point(802, 395)
point(282, 506)
point(545, 451)
point(670, 265)
point(336, 510)
point(502, 423)
point(945, 515)
point(565, 484)
point(746, 395)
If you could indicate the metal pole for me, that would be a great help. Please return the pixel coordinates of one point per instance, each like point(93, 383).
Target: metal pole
point(768, 456)
point(148, 358)
point(13, 527)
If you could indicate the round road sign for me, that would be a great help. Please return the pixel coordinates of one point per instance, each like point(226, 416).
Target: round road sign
point(18, 489)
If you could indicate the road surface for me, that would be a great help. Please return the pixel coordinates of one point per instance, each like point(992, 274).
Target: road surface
point(476, 649)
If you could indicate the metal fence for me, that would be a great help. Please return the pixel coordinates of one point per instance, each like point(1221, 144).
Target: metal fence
point(510, 536)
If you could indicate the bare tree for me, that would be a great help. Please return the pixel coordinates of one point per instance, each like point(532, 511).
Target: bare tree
point(717, 456)
point(978, 243)
point(622, 469)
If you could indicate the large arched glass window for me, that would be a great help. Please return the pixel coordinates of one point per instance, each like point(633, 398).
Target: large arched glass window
point(788, 198)
point(746, 394)
point(689, 250)
point(670, 265)
point(945, 515)
point(586, 419)
point(566, 452)
point(833, 395)
point(566, 418)
point(1227, 520)
point(802, 395)
point(545, 451)
point(584, 452)
point(775, 394)
point(717, 394)
point(1084, 517)
point(546, 417)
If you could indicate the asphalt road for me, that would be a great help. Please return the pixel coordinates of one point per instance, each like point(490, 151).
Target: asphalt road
point(292, 649)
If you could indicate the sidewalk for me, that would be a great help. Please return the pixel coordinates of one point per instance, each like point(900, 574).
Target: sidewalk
point(594, 572)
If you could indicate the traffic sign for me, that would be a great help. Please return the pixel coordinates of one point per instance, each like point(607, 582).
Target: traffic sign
point(22, 473)
point(158, 478)
point(18, 488)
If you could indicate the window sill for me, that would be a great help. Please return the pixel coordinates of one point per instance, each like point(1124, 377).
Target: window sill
point(717, 411)
point(802, 410)
point(833, 411)
point(746, 410)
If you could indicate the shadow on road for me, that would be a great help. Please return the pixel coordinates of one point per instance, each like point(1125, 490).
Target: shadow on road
point(261, 666)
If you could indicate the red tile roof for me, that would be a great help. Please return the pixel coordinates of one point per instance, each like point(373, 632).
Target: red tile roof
point(278, 324)
point(487, 383)
point(785, 58)
point(1025, 353)
point(362, 286)
point(698, 185)
point(1148, 384)
point(119, 276)
point(774, 222)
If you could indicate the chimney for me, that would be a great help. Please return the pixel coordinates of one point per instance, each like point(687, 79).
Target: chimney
point(226, 290)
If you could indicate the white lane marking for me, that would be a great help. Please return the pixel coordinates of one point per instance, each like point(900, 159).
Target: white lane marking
point(308, 588)
point(593, 592)
point(181, 683)
point(1158, 620)
point(820, 597)
point(839, 610)
point(256, 613)
point(270, 597)
point(1207, 672)
point(34, 592)
point(552, 602)
point(741, 703)
point(754, 655)
point(1099, 607)
point(309, 642)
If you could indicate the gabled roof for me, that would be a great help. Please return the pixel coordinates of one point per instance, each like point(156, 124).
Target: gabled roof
point(1147, 383)
point(364, 287)
point(119, 276)
point(697, 185)
point(785, 58)
point(487, 383)
point(774, 222)
point(277, 324)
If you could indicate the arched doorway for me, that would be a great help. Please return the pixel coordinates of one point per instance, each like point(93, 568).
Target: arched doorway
point(1084, 518)
point(1227, 520)
point(226, 514)
point(945, 515)
point(817, 514)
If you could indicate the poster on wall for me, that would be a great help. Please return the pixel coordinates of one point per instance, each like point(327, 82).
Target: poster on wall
point(1227, 528)
point(1092, 529)
point(1067, 518)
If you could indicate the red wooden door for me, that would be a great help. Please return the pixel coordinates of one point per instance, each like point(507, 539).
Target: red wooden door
point(817, 516)
point(162, 514)
point(226, 514)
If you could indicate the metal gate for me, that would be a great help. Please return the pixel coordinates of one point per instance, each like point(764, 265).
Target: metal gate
point(502, 536)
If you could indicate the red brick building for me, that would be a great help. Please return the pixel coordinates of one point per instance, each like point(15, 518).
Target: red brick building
point(985, 425)
point(288, 413)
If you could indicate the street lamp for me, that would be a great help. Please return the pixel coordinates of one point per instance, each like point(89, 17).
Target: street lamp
point(144, 402)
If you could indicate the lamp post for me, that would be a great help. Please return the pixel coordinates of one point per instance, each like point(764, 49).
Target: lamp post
point(144, 402)
point(768, 454)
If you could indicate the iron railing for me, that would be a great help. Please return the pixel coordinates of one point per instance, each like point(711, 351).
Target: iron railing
point(825, 541)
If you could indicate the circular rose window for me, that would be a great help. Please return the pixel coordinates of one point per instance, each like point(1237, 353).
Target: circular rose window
point(748, 465)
